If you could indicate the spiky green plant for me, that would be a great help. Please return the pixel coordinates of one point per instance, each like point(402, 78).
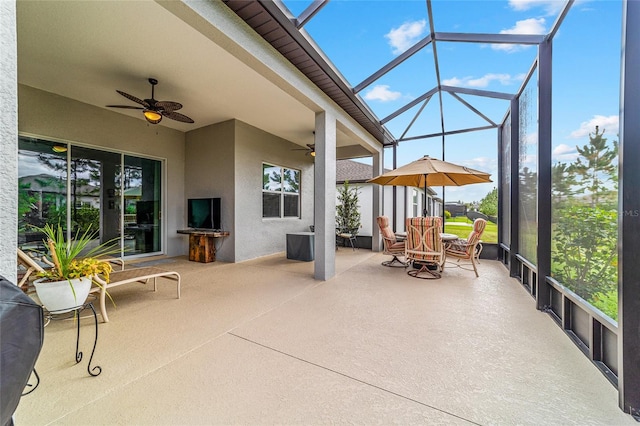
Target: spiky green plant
point(66, 259)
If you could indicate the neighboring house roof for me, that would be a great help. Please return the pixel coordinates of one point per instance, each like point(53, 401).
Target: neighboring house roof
point(357, 172)
point(52, 184)
point(353, 171)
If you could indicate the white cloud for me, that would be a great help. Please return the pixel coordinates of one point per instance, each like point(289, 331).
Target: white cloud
point(484, 81)
point(484, 164)
point(504, 79)
point(564, 152)
point(551, 7)
point(607, 124)
point(526, 26)
point(382, 93)
point(405, 36)
point(455, 81)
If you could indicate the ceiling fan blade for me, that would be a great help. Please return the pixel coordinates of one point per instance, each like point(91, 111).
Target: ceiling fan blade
point(177, 116)
point(134, 99)
point(124, 106)
point(168, 105)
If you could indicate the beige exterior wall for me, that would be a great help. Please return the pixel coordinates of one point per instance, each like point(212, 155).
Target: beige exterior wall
point(222, 160)
point(48, 116)
point(256, 236)
point(209, 171)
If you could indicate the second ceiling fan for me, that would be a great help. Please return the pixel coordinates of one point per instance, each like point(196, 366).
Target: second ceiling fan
point(153, 109)
point(311, 149)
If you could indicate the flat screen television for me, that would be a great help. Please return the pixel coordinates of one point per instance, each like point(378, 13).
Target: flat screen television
point(203, 213)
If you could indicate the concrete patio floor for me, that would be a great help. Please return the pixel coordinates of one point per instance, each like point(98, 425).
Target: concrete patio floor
point(262, 342)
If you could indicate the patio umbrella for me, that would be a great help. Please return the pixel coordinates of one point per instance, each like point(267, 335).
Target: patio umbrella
point(428, 171)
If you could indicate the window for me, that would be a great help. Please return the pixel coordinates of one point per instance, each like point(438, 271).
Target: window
point(415, 203)
point(280, 191)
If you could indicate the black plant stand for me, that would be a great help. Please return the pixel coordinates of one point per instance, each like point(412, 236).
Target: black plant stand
point(75, 312)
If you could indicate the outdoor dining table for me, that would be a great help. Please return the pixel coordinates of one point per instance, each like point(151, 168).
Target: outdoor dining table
point(443, 235)
point(448, 237)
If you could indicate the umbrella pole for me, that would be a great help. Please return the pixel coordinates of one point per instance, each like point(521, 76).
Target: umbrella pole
point(424, 206)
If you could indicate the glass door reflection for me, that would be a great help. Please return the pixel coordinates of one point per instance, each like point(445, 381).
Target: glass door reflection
point(142, 205)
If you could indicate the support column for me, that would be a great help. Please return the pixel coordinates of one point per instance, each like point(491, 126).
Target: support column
point(514, 243)
point(394, 213)
point(629, 215)
point(9, 138)
point(543, 293)
point(377, 203)
point(325, 197)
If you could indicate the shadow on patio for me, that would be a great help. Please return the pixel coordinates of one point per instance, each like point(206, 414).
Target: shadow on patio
point(261, 342)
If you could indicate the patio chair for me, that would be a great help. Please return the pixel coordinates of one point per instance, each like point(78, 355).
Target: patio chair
point(347, 236)
point(424, 246)
point(467, 249)
point(392, 246)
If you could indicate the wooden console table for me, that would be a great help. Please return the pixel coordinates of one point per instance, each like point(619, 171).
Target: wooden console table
point(202, 247)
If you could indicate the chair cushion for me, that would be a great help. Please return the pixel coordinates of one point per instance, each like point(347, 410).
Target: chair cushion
point(385, 229)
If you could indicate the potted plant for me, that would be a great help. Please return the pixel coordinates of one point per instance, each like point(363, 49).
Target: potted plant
point(67, 283)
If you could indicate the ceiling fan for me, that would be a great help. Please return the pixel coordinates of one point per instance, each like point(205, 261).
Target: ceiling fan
point(154, 110)
point(311, 149)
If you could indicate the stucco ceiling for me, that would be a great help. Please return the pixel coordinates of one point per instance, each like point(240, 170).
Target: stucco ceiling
point(85, 50)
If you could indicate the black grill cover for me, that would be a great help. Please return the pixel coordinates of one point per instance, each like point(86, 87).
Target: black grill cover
point(21, 336)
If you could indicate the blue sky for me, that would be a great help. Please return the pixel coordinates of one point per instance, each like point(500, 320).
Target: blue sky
point(359, 37)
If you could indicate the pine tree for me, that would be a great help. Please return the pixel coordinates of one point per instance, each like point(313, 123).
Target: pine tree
point(563, 181)
point(595, 167)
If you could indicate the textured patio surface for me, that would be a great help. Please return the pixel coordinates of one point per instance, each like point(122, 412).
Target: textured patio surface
point(261, 342)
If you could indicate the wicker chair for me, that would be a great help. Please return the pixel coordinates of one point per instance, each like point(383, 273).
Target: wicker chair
point(467, 249)
point(424, 246)
point(392, 246)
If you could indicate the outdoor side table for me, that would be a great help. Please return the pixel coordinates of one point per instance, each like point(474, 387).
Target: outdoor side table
point(75, 312)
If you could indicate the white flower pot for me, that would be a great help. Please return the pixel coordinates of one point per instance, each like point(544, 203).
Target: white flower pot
point(58, 297)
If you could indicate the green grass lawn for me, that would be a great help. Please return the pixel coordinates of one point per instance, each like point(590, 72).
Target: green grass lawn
point(461, 226)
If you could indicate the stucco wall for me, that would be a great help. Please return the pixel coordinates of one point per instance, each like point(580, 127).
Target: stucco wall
point(255, 236)
point(209, 172)
point(50, 116)
point(365, 202)
point(9, 140)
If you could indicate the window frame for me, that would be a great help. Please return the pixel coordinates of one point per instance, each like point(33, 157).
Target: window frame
point(283, 192)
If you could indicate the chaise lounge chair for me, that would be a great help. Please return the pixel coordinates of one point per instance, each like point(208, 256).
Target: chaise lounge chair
point(116, 278)
point(30, 265)
point(134, 275)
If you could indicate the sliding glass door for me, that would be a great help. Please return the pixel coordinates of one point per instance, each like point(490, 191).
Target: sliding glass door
point(143, 205)
point(42, 189)
point(118, 197)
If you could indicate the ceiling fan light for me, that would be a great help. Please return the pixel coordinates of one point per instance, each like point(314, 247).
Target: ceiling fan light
point(152, 117)
point(313, 153)
point(59, 148)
